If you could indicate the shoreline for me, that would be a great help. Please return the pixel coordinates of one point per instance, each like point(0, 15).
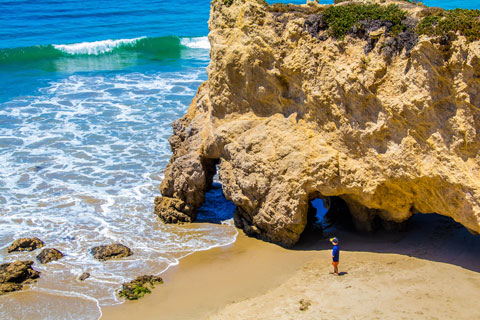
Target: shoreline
point(401, 274)
point(206, 281)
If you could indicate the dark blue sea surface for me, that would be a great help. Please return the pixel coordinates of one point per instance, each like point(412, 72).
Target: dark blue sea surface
point(88, 90)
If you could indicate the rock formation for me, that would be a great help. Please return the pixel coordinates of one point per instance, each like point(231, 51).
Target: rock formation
point(387, 125)
point(111, 251)
point(25, 244)
point(48, 255)
point(16, 274)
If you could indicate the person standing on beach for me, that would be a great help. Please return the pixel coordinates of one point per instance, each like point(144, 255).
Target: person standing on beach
point(335, 255)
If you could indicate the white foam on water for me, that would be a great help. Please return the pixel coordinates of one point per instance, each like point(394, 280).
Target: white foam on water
point(196, 43)
point(82, 168)
point(95, 47)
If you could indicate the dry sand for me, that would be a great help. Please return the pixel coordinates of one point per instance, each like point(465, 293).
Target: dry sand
point(430, 272)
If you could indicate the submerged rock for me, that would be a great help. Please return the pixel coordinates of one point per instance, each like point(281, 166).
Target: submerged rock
point(84, 276)
point(49, 254)
point(15, 274)
point(26, 244)
point(138, 287)
point(111, 251)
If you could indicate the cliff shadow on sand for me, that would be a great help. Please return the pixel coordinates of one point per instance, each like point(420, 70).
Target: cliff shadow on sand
point(425, 236)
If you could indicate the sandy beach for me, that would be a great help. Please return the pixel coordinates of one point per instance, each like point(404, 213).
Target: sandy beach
point(432, 271)
point(207, 281)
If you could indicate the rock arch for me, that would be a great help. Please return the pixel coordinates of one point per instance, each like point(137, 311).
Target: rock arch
point(389, 138)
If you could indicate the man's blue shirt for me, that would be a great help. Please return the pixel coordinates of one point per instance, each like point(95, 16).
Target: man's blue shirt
point(336, 253)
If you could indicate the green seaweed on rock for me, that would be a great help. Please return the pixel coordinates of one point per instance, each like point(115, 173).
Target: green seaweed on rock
point(139, 287)
point(135, 292)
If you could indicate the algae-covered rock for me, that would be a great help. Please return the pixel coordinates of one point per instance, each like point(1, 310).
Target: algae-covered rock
point(138, 287)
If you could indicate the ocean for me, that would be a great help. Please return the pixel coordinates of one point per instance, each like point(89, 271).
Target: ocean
point(88, 92)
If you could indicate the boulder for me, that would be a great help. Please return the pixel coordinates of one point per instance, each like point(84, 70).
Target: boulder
point(138, 287)
point(49, 254)
point(15, 274)
point(84, 276)
point(111, 251)
point(26, 244)
point(9, 287)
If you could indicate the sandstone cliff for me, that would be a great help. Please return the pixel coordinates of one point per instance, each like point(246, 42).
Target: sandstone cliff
point(289, 114)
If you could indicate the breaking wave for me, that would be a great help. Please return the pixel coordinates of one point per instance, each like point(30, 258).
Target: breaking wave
point(160, 47)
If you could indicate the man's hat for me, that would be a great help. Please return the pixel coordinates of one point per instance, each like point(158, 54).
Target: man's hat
point(334, 240)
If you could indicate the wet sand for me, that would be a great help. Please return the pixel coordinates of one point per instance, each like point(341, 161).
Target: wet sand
point(432, 271)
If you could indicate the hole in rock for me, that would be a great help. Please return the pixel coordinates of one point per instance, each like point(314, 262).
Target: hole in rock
point(315, 220)
point(316, 213)
point(216, 207)
point(438, 226)
point(439, 238)
point(210, 167)
point(325, 216)
point(337, 214)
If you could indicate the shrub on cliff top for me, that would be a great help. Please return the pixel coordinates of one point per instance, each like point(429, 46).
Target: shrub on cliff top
point(440, 22)
point(340, 19)
point(292, 8)
point(417, 2)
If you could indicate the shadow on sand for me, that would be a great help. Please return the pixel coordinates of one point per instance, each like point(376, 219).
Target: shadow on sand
point(429, 236)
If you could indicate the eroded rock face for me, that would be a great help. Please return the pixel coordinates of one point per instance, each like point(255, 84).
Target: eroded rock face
point(111, 251)
point(15, 274)
point(290, 115)
point(48, 255)
point(25, 244)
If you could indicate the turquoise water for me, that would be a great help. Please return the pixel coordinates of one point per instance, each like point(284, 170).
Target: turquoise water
point(33, 35)
point(88, 92)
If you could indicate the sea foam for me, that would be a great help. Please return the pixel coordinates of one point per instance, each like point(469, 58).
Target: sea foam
point(81, 165)
point(95, 47)
point(196, 43)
